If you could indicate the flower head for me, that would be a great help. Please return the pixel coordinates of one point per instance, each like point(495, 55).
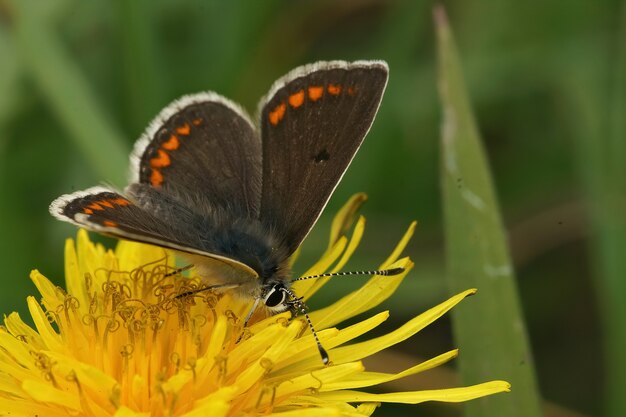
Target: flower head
point(119, 342)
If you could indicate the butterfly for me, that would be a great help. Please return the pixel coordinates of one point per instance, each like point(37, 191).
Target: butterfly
point(234, 197)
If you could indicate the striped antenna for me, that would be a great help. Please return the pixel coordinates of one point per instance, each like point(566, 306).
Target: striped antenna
point(179, 270)
point(383, 272)
point(201, 289)
point(300, 307)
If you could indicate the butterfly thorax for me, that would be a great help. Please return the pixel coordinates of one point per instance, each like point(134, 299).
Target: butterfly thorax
point(218, 230)
point(248, 242)
point(248, 245)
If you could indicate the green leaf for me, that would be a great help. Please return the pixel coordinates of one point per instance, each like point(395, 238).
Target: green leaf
point(490, 329)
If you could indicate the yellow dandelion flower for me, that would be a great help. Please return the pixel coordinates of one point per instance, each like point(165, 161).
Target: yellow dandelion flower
point(119, 342)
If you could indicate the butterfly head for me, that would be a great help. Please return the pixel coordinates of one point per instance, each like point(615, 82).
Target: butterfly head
point(276, 294)
point(276, 297)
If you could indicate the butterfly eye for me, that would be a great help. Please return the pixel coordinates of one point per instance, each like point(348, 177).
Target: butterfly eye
point(275, 297)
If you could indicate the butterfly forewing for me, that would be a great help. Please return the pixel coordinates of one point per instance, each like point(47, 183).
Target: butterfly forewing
point(108, 212)
point(112, 213)
point(203, 148)
point(312, 123)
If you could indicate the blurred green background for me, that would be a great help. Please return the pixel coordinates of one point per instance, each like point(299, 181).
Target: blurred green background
point(79, 81)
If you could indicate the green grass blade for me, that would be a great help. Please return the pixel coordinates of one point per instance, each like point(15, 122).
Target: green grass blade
point(600, 108)
point(10, 73)
point(490, 331)
point(611, 225)
point(68, 93)
point(142, 70)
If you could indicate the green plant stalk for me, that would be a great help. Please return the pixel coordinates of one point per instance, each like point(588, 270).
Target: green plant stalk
point(613, 230)
point(490, 331)
point(608, 246)
point(601, 145)
point(68, 93)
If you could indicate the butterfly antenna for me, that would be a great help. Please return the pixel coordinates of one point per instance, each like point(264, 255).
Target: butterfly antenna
point(179, 270)
point(203, 289)
point(382, 272)
point(299, 306)
point(198, 290)
point(191, 292)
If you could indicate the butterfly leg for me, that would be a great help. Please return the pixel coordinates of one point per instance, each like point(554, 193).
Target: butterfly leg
point(251, 312)
point(248, 316)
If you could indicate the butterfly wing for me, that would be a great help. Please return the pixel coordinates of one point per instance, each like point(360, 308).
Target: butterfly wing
point(205, 147)
point(108, 212)
point(196, 168)
point(312, 123)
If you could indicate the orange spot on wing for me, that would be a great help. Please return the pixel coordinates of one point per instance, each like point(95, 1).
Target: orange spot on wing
point(105, 203)
point(296, 99)
point(184, 129)
point(334, 89)
point(121, 202)
point(160, 161)
point(171, 144)
point(109, 223)
point(156, 178)
point(278, 114)
point(95, 206)
point(316, 92)
point(197, 122)
point(87, 210)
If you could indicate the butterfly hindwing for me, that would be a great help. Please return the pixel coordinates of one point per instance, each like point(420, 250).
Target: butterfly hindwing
point(202, 145)
point(312, 123)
